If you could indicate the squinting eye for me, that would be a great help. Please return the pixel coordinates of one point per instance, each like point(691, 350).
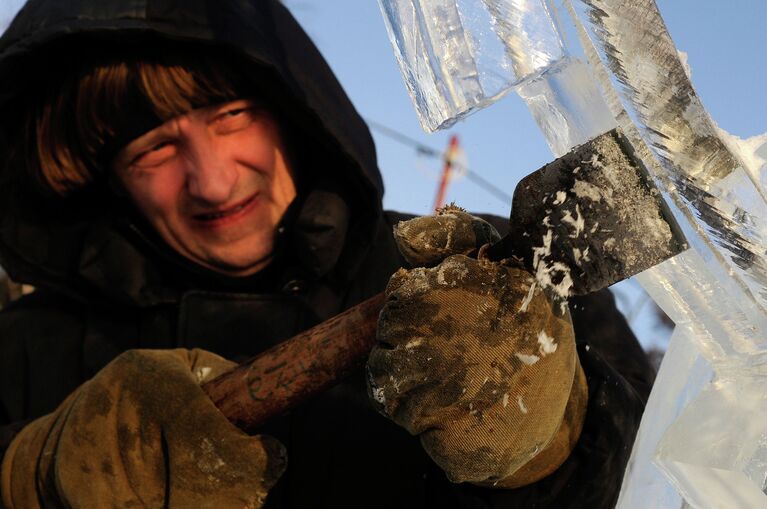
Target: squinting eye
point(156, 155)
point(235, 119)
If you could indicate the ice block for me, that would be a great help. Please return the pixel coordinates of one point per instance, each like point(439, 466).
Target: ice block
point(460, 55)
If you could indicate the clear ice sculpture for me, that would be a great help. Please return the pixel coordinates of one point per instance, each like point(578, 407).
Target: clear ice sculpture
point(584, 67)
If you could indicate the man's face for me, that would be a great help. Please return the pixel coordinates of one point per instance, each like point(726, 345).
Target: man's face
point(214, 183)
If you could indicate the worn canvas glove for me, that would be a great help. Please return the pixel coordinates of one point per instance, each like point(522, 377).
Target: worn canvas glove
point(475, 359)
point(141, 433)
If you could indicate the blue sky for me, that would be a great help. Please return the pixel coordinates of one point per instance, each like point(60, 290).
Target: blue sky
point(724, 41)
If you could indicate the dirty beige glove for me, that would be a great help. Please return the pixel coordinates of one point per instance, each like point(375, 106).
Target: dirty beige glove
point(475, 359)
point(141, 433)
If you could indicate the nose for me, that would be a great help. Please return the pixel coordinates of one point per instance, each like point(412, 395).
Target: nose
point(211, 175)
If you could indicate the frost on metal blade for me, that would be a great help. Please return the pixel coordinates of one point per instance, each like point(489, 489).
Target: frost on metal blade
point(603, 220)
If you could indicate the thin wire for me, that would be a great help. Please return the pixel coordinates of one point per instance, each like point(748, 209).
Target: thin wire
point(405, 140)
point(430, 152)
point(487, 186)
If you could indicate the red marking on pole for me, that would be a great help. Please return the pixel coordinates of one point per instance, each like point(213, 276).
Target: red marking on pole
point(450, 154)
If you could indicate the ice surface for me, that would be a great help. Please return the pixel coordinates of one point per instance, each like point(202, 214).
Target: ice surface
point(460, 55)
point(705, 425)
point(527, 33)
point(567, 105)
point(723, 463)
point(436, 60)
point(706, 327)
point(682, 375)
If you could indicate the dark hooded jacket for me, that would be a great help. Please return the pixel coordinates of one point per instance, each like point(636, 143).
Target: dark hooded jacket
point(106, 284)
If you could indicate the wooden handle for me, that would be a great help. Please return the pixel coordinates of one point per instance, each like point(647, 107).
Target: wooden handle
point(291, 372)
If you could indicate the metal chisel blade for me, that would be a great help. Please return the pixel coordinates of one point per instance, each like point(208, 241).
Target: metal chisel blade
point(589, 219)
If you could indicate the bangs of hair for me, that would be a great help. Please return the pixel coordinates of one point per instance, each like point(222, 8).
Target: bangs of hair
point(80, 114)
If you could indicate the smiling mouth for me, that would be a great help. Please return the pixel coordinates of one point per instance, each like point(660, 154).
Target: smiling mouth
point(219, 216)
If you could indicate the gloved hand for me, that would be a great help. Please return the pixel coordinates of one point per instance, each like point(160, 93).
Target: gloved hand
point(475, 359)
point(141, 433)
